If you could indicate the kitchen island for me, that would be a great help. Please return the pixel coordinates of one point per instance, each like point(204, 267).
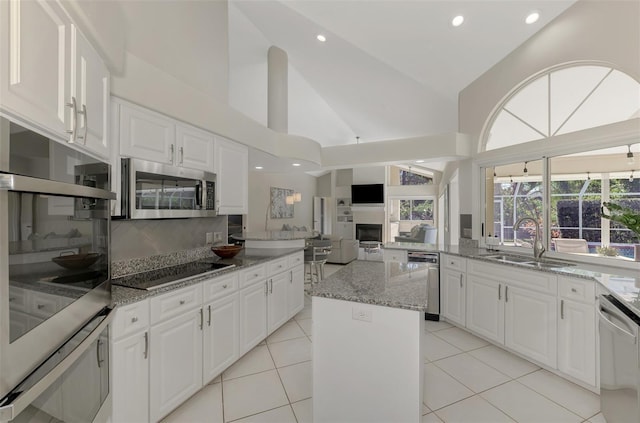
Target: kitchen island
point(368, 326)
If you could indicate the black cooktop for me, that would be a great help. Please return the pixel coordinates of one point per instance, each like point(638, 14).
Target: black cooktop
point(158, 278)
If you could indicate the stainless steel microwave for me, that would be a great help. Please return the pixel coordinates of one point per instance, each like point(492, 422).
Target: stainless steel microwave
point(158, 191)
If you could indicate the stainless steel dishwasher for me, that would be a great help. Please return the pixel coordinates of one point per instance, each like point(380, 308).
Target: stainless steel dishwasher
point(433, 281)
point(619, 361)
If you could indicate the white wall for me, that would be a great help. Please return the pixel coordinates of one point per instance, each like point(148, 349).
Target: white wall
point(260, 184)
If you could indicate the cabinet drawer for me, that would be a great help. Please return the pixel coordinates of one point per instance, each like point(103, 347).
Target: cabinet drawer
point(252, 275)
point(220, 286)
point(577, 289)
point(453, 262)
point(296, 259)
point(131, 319)
point(17, 299)
point(175, 303)
point(277, 266)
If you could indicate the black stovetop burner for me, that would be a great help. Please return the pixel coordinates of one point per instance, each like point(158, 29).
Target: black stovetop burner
point(158, 278)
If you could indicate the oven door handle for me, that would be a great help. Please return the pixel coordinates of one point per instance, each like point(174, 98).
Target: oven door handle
point(23, 399)
point(14, 182)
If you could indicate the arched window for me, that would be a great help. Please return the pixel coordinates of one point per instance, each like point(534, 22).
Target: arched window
point(562, 100)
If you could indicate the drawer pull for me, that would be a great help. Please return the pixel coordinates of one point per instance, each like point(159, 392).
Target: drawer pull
point(146, 345)
point(134, 319)
point(574, 290)
point(562, 309)
point(40, 306)
point(224, 286)
point(12, 299)
point(182, 302)
point(255, 275)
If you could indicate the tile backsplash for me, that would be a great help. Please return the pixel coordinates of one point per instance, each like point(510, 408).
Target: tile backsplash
point(143, 238)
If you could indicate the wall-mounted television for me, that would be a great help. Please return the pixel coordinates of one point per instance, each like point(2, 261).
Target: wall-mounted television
point(367, 194)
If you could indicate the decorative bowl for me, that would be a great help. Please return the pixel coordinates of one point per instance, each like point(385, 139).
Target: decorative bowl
point(76, 261)
point(226, 251)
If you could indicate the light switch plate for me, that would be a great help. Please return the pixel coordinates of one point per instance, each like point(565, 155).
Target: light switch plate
point(217, 236)
point(209, 237)
point(362, 314)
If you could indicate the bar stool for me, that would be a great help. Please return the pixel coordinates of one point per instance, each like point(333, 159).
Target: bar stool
point(315, 255)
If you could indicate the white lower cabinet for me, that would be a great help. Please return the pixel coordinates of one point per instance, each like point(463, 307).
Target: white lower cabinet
point(577, 353)
point(130, 378)
point(175, 362)
point(296, 290)
point(453, 288)
point(221, 336)
point(277, 309)
point(485, 308)
point(253, 312)
point(530, 324)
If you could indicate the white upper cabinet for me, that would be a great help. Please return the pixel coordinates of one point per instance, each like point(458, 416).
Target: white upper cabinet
point(194, 148)
point(90, 89)
point(145, 134)
point(232, 170)
point(148, 135)
point(35, 63)
point(52, 77)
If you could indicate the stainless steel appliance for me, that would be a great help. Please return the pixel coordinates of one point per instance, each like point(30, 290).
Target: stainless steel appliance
point(433, 281)
point(619, 361)
point(54, 254)
point(157, 191)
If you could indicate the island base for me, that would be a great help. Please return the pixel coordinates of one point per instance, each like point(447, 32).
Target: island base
point(367, 362)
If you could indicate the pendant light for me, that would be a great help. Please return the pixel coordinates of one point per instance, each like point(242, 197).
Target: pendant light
point(630, 158)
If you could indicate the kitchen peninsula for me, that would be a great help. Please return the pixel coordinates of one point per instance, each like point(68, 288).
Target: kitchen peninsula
point(373, 313)
point(274, 239)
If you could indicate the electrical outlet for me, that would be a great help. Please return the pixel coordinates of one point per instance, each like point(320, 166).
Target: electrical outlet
point(209, 237)
point(361, 314)
point(217, 236)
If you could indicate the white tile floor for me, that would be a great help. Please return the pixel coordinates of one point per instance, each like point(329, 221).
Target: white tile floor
point(465, 380)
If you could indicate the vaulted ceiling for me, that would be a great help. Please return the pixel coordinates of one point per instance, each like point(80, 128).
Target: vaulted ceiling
point(388, 69)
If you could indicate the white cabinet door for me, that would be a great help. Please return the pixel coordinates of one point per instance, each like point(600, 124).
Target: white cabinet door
point(277, 309)
point(90, 87)
point(577, 340)
point(296, 290)
point(175, 362)
point(194, 148)
point(221, 336)
point(530, 324)
point(130, 379)
point(253, 316)
point(232, 170)
point(453, 296)
point(485, 307)
point(35, 55)
point(146, 135)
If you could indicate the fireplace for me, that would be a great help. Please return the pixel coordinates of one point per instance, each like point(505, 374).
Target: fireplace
point(369, 232)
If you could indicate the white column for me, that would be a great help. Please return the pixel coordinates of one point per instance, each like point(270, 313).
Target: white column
point(277, 90)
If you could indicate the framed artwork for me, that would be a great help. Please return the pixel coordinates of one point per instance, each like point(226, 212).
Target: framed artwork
point(278, 205)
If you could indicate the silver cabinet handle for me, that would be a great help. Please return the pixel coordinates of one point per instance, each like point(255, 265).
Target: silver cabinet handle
point(460, 280)
point(12, 299)
point(562, 309)
point(86, 124)
point(499, 291)
point(266, 287)
point(146, 345)
point(74, 115)
point(98, 348)
point(182, 302)
point(255, 275)
point(181, 155)
point(271, 288)
point(201, 318)
point(224, 286)
point(172, 155)
point(40, 306)
point(134, 319)
point(209, 321)
point(574, 290)
point(506, 293)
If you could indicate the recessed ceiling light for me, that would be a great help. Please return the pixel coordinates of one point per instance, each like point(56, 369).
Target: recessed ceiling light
point(419, 161)
point(259, 167)
point(321, 38)
point(532, 18)
point(296, 164)
point(457, 21)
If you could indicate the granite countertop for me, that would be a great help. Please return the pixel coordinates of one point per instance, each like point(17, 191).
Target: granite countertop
point(390, 284)
point(274, 235)
point(121, 295)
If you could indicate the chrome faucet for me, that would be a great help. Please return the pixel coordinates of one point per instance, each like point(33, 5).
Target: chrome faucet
point(538, 248)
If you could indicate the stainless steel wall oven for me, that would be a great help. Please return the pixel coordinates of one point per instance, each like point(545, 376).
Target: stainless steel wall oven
point(54, 261)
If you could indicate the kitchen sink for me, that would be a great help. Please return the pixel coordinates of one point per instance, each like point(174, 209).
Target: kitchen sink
point(527, 261)
point(508, 258)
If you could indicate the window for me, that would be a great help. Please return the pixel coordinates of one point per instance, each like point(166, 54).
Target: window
point(409, 175)
point(416, 210)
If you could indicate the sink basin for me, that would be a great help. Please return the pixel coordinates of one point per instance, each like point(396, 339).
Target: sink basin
point(527, 261)
point(549, 264)
point(508, 258)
